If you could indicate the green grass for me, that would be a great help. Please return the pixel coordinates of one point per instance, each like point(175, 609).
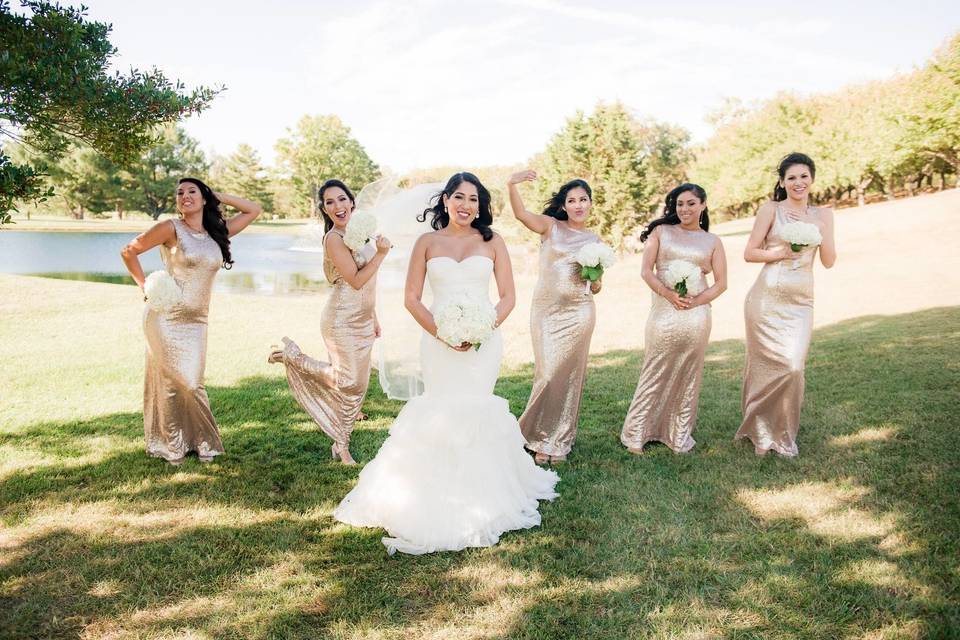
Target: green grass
point(856, 538)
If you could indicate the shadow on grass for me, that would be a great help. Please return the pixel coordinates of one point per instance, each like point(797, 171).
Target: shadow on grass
point(858, 535)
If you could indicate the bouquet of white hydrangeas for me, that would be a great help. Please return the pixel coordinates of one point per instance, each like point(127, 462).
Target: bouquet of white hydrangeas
point(465, 319)
point(360, 229)
point(801, 234)
point(162, 291)
point(593, 258)
point(679, 275)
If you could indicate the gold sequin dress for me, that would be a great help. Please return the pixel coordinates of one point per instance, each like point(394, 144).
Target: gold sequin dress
point(332, 392)
point(778, 315)
point(562, 317)
point(176, 410)
point(664, 406)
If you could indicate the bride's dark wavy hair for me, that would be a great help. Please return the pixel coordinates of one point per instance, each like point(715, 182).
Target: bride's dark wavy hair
point(213, 221)
point(327, 220)
point(554, 206)
point(779, 193)
point(670, 209)
point(439, 218)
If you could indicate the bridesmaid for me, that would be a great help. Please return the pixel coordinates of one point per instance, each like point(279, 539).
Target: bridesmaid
point(664, 407)
point(562, 317)
point(779, 310)
point(332, 392)
point(176, 410)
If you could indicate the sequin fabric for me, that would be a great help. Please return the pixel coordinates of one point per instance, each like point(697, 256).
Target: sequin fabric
point(176, 411)
point(665, 403)
point(778, 315)
point(562, 317)
point(332, 392)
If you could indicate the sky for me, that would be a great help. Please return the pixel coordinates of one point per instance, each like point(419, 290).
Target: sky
point(423, 83)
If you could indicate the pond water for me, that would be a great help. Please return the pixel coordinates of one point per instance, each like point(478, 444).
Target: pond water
point(269, 264)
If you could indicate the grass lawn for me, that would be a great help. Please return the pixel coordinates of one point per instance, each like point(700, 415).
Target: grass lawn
point(859, 537)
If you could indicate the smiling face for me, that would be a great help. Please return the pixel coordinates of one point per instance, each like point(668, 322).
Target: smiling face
point(689, 208)
point(338, 206)
point(463, 205)
point(797, 180)
point(577, 204)
point(189, 199)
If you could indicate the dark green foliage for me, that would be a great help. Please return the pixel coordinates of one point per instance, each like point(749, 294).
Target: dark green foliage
point(57, 90)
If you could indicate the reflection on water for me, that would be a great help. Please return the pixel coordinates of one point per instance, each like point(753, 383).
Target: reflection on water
point(269, 264)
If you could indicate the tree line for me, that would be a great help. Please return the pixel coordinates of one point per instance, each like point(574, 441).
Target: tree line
point(878, 139)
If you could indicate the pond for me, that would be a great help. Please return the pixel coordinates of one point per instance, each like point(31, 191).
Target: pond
point(269, 264)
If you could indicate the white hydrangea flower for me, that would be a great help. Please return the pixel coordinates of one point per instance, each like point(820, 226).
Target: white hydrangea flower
point(465, 319)
point(596, 254)
point(680, 275)
point(163, 292)
point(360, 229)
point(801, 234)
point(593, 258)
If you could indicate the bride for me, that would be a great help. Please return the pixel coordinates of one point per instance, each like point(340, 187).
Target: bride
point(453, 472)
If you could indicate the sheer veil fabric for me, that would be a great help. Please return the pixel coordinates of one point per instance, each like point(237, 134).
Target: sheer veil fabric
point(396, 354)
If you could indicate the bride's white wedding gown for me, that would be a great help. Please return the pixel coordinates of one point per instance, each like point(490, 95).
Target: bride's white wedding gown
point(453, 472)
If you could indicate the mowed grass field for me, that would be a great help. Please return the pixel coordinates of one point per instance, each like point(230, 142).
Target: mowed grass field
point(859, 537)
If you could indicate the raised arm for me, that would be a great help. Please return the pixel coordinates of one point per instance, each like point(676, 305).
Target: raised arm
point(343, 259)
point(160, 233)
point(503, 272)
point(718, 264)
point(753, 252)
point(249, 210)
point(535, 222)
point(413, 291)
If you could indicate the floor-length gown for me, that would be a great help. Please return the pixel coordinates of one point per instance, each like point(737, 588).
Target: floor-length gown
point(562, 317)
point(176, 410)
point(332, 392)
point(453, 472)
point(778, 314)
point(664, 406)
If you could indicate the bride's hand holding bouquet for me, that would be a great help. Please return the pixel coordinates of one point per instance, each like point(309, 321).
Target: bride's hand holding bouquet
point(465, 322)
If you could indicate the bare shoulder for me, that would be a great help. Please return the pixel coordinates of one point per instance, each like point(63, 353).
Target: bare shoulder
point(825, 212)
point(425, 241)
point(497, 241)
point(163, 230)
point(164, 226)
point(768, 208)
point(337, 238)
point(717, 242)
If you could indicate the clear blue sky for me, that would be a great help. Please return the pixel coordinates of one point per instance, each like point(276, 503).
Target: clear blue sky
point(423, 83)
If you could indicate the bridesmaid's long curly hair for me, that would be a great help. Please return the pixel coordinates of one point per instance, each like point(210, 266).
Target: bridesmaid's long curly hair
point(327, 220)
point(554, 206)
point(670, 209)
point(213, 221)
point(779, 193)
point(439, 218)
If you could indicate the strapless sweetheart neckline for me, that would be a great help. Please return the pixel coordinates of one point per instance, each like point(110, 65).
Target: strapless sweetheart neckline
point(455, 261)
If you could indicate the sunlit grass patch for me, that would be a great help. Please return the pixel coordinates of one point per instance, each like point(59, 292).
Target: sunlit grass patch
point(855, 538)
point(870, 434)
point(826, 509)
